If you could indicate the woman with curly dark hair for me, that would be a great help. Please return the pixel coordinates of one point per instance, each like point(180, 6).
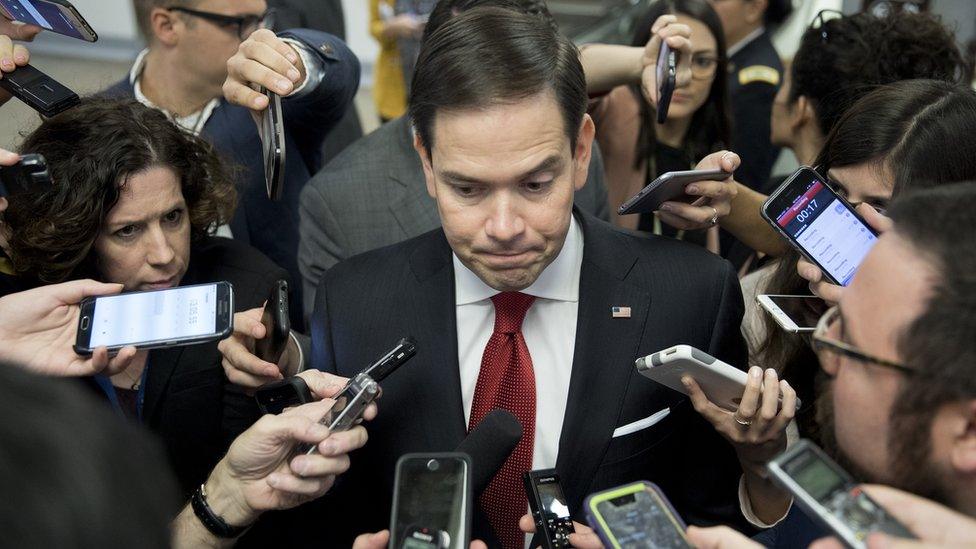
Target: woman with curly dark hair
point(135, 201)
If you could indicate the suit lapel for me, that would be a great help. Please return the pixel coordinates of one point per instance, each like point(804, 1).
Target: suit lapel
point(603, 358)
point(162, 365)
point(436, 325)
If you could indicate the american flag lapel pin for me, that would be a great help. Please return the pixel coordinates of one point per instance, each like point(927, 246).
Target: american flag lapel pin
point(620, 312)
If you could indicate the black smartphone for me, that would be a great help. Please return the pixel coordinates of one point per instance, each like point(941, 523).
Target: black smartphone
point(277, 325)
point(185, 315)
point(830, 496)
point(635, 516)
point(669, 186)
point(271, 129)
point(432, 502)
point(28, 174)
point(54, 15)
point(274, 397)
point(363, 389)
point(41, 92)
point(820, 224)
point(667, 71)
point(549, 510)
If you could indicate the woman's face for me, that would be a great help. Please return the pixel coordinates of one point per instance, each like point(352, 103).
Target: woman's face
point(862, 183)
point(144, 243)
point(690, 97)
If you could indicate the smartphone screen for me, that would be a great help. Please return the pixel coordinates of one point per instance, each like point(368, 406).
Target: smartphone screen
point(822, 225)
point(642, 520)
point(47, 15)
point(431, 506)
point(804, 310)
point(145, 317)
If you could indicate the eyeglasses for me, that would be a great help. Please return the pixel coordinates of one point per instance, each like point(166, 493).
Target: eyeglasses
point(246, 24)
point(703, 66)
point(823, 343)
point(884, 8)
point(822, 18)
point(840, 189)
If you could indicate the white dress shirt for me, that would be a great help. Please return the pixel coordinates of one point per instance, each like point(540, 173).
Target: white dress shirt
point(549, 329)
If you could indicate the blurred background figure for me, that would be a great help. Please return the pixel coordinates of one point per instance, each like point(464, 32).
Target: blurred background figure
point(398, 26)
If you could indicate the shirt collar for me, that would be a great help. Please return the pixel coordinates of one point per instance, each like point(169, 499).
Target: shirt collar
point(193, 122)
point(737, 47)
point(559, 281)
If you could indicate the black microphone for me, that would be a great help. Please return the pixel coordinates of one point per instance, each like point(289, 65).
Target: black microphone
point(489, 444)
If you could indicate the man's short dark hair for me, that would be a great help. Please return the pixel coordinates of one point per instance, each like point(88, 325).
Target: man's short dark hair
point(445, 10)
point(489, 56)
point(939, 345)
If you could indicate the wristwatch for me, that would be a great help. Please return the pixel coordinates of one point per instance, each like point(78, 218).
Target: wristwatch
point(214, 524)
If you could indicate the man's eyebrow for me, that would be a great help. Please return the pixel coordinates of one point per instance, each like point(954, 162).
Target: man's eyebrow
point(547, 164)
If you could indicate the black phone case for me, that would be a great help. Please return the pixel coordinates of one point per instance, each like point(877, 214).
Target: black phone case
point(774, 199)
point(39, 91)
point(667, 88)
point(28, 174)
point(548, 536)
point(274, 397)
point(396, 494)
point(277, 325)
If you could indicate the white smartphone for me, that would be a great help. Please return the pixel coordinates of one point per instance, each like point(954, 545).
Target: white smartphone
point(157, 318)
point(723, 384)
point(793, 313)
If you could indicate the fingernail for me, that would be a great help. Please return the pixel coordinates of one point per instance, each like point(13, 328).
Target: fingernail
point(257, 103)
point(284, 86)
point(666, 207)
point(7, 63)
point(685, 381)
point(20, 59)
point(770, 372)
point(294, 74)
point(692, 189)
point(755, 372)
point(292, 57)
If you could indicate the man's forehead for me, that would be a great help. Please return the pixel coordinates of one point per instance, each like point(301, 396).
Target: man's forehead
point(231, 7)
point(889, 291)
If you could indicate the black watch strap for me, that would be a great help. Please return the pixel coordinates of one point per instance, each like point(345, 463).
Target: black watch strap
point(214, 524)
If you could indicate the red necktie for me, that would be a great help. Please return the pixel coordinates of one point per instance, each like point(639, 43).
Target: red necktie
point(506, 381)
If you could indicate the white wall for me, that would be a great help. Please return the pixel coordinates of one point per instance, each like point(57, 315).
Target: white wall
point(110, 18)
point(357, 31)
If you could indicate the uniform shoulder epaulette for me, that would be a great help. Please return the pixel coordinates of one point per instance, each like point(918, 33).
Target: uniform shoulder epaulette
point(759, 73)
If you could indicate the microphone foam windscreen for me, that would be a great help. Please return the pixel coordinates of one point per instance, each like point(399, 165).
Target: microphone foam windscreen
point(489, 444)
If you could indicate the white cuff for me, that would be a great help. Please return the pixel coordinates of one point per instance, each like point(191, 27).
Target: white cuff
point(313, 68)
point(746, 506)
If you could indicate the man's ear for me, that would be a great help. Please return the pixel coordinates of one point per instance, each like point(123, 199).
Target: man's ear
point(424, 154)
point(584, 151)
point(165, 25)
point(964, 439)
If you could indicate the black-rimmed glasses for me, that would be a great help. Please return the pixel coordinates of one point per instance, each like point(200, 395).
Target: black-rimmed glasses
point(245, 24)
point(822, 342)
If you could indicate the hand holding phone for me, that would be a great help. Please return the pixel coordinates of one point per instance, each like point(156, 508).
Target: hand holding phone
point(28, 174)
point(432, 502)
point(549, 510)
point(54, 15)
point(39, 91)
point(669, 186)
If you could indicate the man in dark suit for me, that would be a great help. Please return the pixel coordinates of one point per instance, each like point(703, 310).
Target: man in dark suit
point(497, 296)
point(193, 51)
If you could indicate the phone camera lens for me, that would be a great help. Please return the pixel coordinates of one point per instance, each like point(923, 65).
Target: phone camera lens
point(433, 465)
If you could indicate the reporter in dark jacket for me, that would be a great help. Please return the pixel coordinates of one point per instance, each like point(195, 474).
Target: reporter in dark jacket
point(135, 201)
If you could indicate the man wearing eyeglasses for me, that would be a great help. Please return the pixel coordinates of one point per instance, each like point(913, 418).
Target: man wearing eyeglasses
point(900, 352)
point(203, 62)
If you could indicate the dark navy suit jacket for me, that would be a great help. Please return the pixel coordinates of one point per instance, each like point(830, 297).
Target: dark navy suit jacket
point(272, 227)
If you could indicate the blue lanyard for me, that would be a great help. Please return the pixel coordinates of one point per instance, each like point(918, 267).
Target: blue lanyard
point(105, 383)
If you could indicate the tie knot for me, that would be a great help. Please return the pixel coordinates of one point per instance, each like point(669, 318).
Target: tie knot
point(510, 309)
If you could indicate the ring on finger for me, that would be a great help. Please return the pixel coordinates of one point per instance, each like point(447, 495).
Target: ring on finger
point(744, 423)
point(714, 220)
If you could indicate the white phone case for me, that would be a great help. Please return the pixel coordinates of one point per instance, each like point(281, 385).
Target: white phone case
point(723, 384)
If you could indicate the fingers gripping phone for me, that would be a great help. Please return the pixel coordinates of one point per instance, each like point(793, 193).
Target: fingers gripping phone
point(666, 79)
point(635, 516)
point(820, 224)
point(157, 318)
point(669, 186)
point(830, 496)
point(271, 129)
point(722, 383)
point(276, 396)
point(549, 510)
point(363, 389)
point(39, 91)
point(793, 313)
point(277, 325)
point(432, 502)
point(28, 174)
point(54, 15)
